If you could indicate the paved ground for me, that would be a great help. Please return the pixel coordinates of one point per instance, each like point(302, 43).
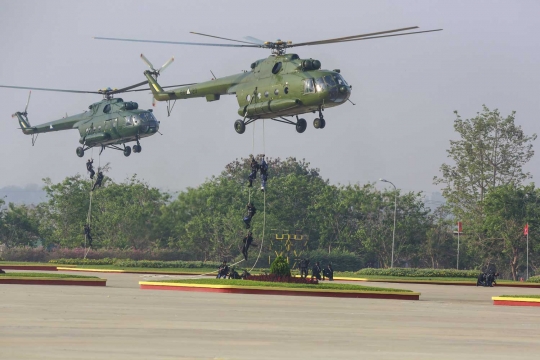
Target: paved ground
point(123, 322)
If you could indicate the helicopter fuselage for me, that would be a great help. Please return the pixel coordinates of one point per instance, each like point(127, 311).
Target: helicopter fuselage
point(107, 123)
point(280, 85)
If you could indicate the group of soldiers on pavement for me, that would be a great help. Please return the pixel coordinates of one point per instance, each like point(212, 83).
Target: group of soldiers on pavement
point(316, 270)
point(487, 279)
point(225, 272)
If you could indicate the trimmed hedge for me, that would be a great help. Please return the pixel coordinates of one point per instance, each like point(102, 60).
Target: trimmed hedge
point(105, 261)
point(534, 279)
point(139, 263)
point(410, 272)
point(41, 254)
point(167, 264)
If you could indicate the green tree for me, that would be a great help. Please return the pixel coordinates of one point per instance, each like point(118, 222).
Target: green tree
point(508, 209)
point(18, 225)
point(491, 151)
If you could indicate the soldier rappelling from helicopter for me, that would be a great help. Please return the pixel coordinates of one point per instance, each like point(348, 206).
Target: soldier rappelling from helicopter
point(88, 235)
point(247, 242)
point(99, 180)
point(254, 168)
point(90, 168)
point(264, 173)
point(251, 210)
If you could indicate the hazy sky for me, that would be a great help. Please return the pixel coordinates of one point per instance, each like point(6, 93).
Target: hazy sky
point(405, 88)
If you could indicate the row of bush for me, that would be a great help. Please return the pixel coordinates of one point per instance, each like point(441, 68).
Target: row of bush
point(534, 279)
point(41, 254)
point(139, 263)
point(411, 272)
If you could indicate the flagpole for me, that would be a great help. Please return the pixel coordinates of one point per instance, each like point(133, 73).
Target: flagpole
point(527, 251)
point(457, 263)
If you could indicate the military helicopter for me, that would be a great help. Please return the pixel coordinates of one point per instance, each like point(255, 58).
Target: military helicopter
point(282, 85)
point(108, 123)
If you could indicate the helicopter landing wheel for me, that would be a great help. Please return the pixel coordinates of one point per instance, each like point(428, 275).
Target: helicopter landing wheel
point(127, 151)
point(80, 152)
point(323, 123)
point(137, 148)
point(240, 126)
point(319, 123)
point(301, 125)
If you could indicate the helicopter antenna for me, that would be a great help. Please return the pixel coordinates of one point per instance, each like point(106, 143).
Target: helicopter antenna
point(213, 76)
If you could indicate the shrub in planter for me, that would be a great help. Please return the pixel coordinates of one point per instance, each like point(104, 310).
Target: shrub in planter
point(280, 267)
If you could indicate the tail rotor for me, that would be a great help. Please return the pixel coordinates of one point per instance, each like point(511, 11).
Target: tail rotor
point(161, 69)
point(155, 72)
point(27, 102)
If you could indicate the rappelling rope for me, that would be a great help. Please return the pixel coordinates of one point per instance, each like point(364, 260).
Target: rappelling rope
point(264, 209)
point(89, 216)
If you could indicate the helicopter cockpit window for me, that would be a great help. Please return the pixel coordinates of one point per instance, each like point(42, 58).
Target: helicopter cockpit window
point(147, 116)
point(340, 80)
point(107, 109)
point(319, 84)
point(309, 87)
point(329, 80)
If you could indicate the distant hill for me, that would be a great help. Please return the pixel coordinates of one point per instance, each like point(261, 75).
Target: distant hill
point(30, 194)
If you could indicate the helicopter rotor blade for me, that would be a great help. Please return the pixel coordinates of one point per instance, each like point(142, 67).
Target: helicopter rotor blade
point(47, 89)
point(327, 41)
point(169, 62)
point(222, 38)
point(147, 62)
point(363, 37)
point(127, 88)
point(175, 42)
point(254, 40)
point(383, 36)
point(27, 102)
point(163, 87)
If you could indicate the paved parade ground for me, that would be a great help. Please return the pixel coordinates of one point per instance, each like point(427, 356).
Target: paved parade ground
point(121, 321)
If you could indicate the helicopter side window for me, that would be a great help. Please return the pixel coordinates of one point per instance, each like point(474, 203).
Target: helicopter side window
point(309, 87)
point(329, 80)
point(107, 109)
point(319, 84)
point(128, 120)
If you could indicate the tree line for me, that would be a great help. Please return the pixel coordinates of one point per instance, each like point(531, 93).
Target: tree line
point(485, 187)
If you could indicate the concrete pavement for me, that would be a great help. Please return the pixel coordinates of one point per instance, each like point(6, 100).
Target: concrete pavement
point(123, 322)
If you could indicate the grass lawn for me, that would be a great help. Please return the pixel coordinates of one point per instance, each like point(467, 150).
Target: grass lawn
point(248, 283)
point(522, 296)
point(45, 275)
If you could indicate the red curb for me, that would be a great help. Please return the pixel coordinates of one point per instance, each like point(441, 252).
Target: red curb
point(28, 267)
point(54, 282)
point(283, 292)
point(515, 303)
